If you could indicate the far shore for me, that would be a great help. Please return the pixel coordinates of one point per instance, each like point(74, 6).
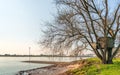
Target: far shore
point(43, 56)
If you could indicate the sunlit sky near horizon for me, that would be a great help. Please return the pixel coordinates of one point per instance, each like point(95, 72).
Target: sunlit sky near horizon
point(21, 23)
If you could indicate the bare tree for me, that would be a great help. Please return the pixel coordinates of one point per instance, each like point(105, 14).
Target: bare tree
point(86, 22)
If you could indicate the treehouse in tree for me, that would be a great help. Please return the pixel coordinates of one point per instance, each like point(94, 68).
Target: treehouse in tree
point(102, 42)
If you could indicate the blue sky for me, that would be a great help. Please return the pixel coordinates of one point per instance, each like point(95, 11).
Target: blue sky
point(21, 22)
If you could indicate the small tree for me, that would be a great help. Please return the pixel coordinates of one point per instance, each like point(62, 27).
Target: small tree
point(85, 23)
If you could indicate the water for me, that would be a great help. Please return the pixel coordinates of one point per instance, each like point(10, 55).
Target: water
point(11, 65)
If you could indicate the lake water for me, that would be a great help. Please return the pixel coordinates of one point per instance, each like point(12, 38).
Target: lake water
point(11, 65)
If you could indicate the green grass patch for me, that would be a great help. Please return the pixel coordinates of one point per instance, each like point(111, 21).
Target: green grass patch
point(93, 66)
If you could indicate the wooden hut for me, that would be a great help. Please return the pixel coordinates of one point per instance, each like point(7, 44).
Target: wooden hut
point(101, 43)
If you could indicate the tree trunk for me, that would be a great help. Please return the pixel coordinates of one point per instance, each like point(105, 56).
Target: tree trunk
point(104, 61)
point(109, 59)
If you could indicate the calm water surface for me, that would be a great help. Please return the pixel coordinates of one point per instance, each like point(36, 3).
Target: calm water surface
point(11, 65)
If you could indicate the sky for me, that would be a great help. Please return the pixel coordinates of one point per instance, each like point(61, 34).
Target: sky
point(21, 22)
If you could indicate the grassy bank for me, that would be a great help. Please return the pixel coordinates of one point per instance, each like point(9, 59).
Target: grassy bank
point(93, 66)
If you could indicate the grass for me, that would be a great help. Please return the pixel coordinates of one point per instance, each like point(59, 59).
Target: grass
point(93, 66)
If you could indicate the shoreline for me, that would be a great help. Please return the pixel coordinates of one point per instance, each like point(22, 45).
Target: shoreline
point(56, 68)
